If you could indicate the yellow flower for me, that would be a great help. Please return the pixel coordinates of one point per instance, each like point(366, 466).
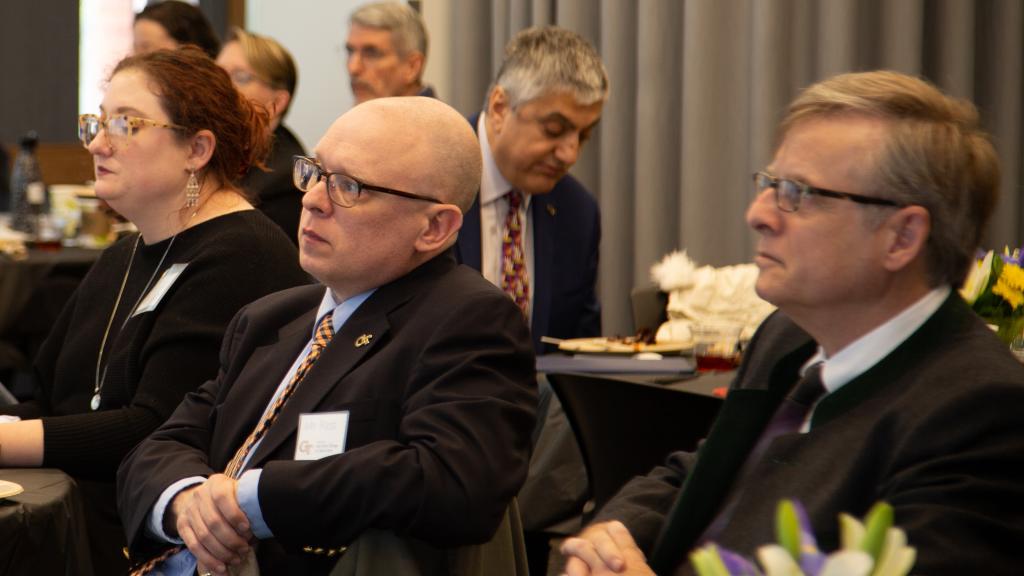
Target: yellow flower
point(1011, 285)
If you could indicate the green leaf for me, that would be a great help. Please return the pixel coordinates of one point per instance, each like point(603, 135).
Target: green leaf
point(707, 562)
point(876, 525)
point(787, 528)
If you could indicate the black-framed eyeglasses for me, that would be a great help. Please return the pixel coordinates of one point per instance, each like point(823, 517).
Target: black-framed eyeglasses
point(789, 193)
point(342, 189)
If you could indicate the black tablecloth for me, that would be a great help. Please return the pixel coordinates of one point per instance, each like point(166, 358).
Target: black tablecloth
point(42, 530)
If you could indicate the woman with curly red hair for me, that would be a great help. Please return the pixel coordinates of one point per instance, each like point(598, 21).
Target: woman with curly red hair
point(144, 328)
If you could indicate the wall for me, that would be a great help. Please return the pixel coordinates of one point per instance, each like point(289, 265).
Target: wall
point(314, 32)
point(39, 59)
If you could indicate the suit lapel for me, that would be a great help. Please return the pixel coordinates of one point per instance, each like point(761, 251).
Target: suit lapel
point(544, 211)
point(365, 331)
point(468, 245)
point(748, 407)
point(356, 339)
point(249, 396)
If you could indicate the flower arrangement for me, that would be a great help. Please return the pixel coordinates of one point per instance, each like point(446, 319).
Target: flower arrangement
point(874, 547)
point(995, 290)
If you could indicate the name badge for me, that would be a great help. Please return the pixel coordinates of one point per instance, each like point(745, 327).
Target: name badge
point(321, 434)
point(157, 292)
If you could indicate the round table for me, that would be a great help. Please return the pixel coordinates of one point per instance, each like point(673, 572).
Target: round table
point(42, 530)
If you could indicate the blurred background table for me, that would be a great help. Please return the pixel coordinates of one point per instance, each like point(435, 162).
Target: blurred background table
point(601, 429)
point(42, 530)
point(32, 293)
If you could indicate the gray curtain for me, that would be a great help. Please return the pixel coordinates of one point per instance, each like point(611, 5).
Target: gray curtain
point(697, 87)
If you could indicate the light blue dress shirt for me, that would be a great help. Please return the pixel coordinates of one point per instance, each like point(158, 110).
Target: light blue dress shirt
point(184, 563)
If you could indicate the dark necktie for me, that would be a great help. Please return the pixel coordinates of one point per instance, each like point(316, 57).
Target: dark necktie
point(788, 418)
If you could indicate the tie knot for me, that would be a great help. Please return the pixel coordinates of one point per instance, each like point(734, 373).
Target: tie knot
point(324, 331)
point(515, 199)
point(809, 388)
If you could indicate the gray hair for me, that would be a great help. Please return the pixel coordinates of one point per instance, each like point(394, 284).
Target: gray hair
point(935, 156)
point(543, 60)
point(408, 32)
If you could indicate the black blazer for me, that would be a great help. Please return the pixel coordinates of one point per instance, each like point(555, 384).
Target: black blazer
point(441, 406)
point(934, 429)
point(566, 225)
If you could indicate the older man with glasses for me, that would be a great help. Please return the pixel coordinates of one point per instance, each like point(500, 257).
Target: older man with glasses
point(387, 51)
point(874, 380)
point(382, 417)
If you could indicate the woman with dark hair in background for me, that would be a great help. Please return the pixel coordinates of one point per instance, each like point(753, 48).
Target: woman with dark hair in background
point(144, 327)
point(265, 73)
point(170, 24)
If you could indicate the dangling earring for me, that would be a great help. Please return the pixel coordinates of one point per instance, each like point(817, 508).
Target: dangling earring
point(192, 190)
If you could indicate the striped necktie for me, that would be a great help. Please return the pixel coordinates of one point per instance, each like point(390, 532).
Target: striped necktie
point(514, 277)
point(324, 333)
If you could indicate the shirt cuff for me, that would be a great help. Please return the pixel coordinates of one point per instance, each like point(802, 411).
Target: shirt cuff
point(155, 526)
point(248, 498)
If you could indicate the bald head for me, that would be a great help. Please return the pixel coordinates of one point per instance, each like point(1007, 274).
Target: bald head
point(422, 142)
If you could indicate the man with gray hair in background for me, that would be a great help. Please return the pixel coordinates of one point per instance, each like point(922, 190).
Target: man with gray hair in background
point(534, 230)
point(387, 52)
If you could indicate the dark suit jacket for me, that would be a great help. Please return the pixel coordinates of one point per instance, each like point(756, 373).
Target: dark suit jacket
point(273, 192)
point(441, 407)
point(934, 429)
point(566, 227)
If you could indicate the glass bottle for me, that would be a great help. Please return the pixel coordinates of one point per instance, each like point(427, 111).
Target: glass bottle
point(28, 193)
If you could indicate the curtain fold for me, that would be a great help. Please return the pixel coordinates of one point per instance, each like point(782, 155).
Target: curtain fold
point(698, 86)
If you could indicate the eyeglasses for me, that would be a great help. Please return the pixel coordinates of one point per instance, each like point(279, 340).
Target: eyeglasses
point(789, 193)
point(119, 127)
point(244, 78)
point(368, 54)
point(342, 189)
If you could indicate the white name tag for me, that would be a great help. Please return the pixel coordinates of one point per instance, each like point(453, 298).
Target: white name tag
point(321, 434)
point(157, 292)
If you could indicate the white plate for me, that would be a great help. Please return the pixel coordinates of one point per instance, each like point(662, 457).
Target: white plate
point(8, 489)
point(603, 345)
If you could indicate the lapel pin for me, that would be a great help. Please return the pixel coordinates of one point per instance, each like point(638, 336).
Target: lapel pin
point(551, 209)
point(363, 340)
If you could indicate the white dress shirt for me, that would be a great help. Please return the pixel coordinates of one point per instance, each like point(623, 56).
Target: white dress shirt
point(863, 353)
point(493, 210)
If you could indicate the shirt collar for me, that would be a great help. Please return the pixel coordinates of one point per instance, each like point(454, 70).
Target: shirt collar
point(493, 185)
point(873, 347)
point(342, 310)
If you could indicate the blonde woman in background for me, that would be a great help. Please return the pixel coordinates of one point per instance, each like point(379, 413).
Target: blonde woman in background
point(264, 72)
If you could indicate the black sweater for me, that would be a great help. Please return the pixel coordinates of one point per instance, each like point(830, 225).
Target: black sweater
point(156, 357)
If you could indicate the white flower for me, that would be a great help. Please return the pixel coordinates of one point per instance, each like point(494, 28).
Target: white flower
point(977, 278)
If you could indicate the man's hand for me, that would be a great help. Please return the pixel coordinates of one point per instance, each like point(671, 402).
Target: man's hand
point(603, 549)
point(211, 523)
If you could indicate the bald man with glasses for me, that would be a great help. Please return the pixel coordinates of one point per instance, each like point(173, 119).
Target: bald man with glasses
point(387, 409)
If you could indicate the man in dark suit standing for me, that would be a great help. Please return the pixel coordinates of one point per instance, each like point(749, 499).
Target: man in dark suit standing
point(398, 400)
point(534, 230)
point(874, 380)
